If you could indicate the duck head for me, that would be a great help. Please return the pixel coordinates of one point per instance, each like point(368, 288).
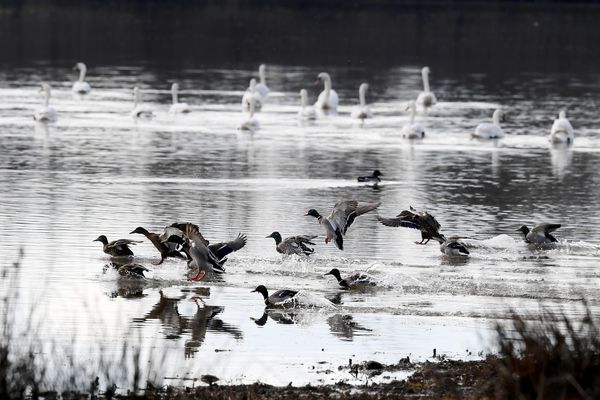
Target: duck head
point(524, 229)
point(262, 290)
point(276, 236)
point(101, 239)
point(377, 173)
point(313, 213)
point(335, 272)
point(139, 230)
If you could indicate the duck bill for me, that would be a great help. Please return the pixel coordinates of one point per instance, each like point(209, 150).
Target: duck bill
point(253, 291)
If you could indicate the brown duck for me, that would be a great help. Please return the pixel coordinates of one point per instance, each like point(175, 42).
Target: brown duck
point(116, 248)
point(162, 247)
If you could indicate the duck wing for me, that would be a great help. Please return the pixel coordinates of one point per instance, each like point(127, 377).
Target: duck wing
point(123, 242)
point(345, 212)
point(132, 270)
point(546, 228)
point(399, 221)
point(223, 249)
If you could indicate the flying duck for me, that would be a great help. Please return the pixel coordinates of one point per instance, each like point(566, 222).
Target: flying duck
point(132, 270)
point(343, 215)
point(355, 281)
point(423, 221)
point(453, 247)
point(539, 235)
point(371, 178)
point(163, 247)
point(294, 244)
point(280, 299)
point(116, 248)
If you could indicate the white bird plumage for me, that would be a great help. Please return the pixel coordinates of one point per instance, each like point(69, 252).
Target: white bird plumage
point(426, 98)
point(261, 87)
point(251, 124)
point(562, 131)
point(177, 107)
point(493, 130)
point(46, 113)
point(362, 111)
point(140, 110)
point(80, 86)
point(249, 94)
point(412, 130)
point(306, 112)
point(328, 98)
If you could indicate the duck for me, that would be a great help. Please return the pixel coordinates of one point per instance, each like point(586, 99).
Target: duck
point(251, 124)
point(177, 107)
point(426, 98)
point(486, 130)
point(116, 248)
point(280, 299)
point(562, 131)
point(140, 110)
point(342, 216)
point(249, 94)
point(306, 112)
point(375, 177)
point(453, 247)
point(293, 244)
point(261, 87)
point(540, 235)
point(132, 270)
point(362, 111)
point(355, 281)
point(328, 98)
point(412, 130)
point(411, 218)
point(46, 113)
point(80, 86)
point(163, 248)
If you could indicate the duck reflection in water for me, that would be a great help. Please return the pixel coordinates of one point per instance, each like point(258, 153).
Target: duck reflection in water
point(279, 316)
point(344, 326)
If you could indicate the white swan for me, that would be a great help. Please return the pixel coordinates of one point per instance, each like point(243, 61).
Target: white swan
point(328, 98)
point(261, 88)
point(140, 110)
point(177, 107)
point(487, 130)
point(45, 113)
point(412, 130)
point(249, 94)
point(306, 112)
point(426, 98)
point(81, 86)
point(251, 124)
point(562, 131)
point(362, 111)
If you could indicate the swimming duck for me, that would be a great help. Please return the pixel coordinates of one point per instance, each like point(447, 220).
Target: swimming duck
point(280, 299)
point(375, 177)
point(562, 131)
point(294, 244)
point(140, 110)
point(251, 124)
point(412, 130)
point(328, 98)
point(423, 221)
point(539, 235)
point(261, 87)
point(81, 86)
point(342, 216)
point(132, 270)
point(161, 246)
point(306, 112)
point(486, 130)
point(453, 247)
point(249, 94)
point(354, 281)
point(46, 113)
point(116, 248)
point(177, 107)
point(362, 111)
point(426, 98)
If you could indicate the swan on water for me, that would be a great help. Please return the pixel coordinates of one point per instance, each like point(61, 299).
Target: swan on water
point(426, 98)
point(490, 130)
point(562, 131)
point(261, 87)
point(251, 124)
point(249, 94)
point(177, 107)
point(362, 111)
point(306, 112)
point(140, 110)
point(45, 113)
point(328, 98)
point(412, 130)
point(81, 86)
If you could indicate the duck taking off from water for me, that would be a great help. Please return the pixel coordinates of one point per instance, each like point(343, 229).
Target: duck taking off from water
point(161, 246)
point(362, 111)
point(251, 94)
point(426, 98)
point(46, 113)
point(540, 235)
point(177, 107)
point(486, 130)
point(357, 280)
point(140, 111)
point(261, 87)
point(132, 270)
point(343, 215)
point(423, 221)
point(306, 113)
point(80, 86)
point(328, 98)
point(412, 130)
point(562, 131)
point(116, 248)
point(453, 247)
point(293, 244)
point(280, 299)
point(375, 178)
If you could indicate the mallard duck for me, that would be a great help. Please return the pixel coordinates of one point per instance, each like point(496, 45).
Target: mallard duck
point(540, 234)
point(562, 130)
point(132, 270)
point(354, 281)
point(343, 215)
point(162, 247)
point(486, 130)
point(453, 247)
point(280, 299)
point(116, 248)
point(426, 98)
point(371, 178)
point(328, 98)
point(362, 111)
point(81, 86)
point(423, 221)
point(294, 244)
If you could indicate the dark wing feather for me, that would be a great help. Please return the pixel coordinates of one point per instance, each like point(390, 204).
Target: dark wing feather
point(223, 249)
point(399, 222)
point(458, 246)
point(121, 242)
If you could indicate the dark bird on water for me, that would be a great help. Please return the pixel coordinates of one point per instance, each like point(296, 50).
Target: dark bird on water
point(539, 235)
point(423, 221)
point(280, 299)
point(293, 244)
point(116, 248)
point(163, 247)
point(375, 178)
